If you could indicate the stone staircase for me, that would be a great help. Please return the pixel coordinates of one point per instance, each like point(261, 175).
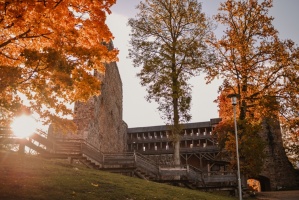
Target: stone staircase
point(128, 163)
point(89, 163)
point(143, 175)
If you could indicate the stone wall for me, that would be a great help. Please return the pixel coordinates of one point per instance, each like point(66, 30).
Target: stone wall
point(277, 168)
point(99, 120)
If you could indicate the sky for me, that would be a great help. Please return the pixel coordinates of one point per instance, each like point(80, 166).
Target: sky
point(137, 112)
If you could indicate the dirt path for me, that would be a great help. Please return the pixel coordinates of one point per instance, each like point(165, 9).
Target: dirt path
point(279, 195)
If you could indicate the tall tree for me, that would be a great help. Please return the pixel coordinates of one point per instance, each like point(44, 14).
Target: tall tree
point(250, 143)
point(169, 42)
point(48, 50)
point(256, 64)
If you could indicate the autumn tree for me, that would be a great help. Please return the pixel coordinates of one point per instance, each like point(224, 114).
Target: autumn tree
point(289, 110)
point(250, 143)
point(48, 51)
point(168, 41)
point(255, 64)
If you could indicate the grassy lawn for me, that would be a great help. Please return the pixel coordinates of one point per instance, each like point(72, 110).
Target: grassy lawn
point(31, 177)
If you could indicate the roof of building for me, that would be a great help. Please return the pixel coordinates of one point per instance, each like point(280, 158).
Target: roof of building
point(166, 127)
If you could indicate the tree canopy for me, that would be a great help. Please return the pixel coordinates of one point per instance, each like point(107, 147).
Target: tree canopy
point(48, 51)
point(256, 64)
point(168, 41)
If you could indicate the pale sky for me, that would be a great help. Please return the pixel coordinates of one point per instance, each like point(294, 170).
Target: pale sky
point(137, 112)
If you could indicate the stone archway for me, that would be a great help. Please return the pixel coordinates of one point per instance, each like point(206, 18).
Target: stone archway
point(264, 183)
point(259, 184)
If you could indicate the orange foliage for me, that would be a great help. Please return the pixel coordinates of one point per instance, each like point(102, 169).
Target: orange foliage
point(48, 51)
point(254, 62)
point(260, 68)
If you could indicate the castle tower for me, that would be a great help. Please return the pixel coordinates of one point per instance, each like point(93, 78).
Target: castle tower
point(278, 172)
point(100, 120)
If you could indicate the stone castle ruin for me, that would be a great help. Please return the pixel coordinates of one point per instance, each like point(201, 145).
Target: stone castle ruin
point(100, 123)
point(100, 119)
point(278, 171)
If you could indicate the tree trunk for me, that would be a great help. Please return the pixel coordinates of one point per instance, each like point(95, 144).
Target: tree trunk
point(176, 126)
point(176, 153)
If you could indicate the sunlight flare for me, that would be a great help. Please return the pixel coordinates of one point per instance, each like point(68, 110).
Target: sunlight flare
point(24, 126)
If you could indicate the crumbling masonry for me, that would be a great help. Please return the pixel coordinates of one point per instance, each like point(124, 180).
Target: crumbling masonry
point(100, 123)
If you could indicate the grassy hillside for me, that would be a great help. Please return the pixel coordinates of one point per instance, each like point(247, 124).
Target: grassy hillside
point(31, 177)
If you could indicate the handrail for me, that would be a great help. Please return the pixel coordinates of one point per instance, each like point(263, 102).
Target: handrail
point(118, 157)
point(42, 140)
point(195, 169)
point(173, 171)
point(215, 173)
point(195, 174)
point(122, 154)
point(139, 155)
point(41, 132)
point(147, 164)
point(91, 152)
